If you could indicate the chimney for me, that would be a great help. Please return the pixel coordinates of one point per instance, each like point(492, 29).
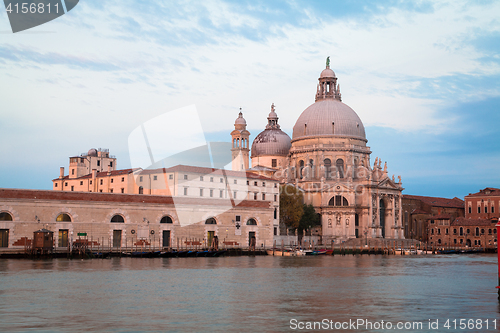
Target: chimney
point(61, 172)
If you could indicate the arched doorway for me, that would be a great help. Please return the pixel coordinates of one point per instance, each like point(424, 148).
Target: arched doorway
point(382, 217)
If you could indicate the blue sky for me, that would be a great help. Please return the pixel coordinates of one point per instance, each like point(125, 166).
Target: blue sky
point(422, 75)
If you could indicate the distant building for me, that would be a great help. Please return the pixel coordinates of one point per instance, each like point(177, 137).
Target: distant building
point(417, 210)
point(461, 232)
point(484, 204)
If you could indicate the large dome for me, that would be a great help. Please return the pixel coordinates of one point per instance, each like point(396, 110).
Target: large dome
point(271, 142)
point(328, 117)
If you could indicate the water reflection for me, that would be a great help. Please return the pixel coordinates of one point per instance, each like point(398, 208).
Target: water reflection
point(241, 293)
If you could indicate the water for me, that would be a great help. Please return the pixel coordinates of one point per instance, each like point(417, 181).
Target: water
point(246, 294)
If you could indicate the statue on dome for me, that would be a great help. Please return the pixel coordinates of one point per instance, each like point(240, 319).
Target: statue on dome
point(272, 107)
point(328, 62)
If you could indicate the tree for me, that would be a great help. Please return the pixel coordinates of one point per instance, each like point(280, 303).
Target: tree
point(291, 206)
point(309, 219)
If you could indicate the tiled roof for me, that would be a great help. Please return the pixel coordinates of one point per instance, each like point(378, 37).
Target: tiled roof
point(462, 221)
point(83, 196)
point(125, 198)
point(489, 191)
point(419, 211)
point(101, 174)
point(221, 172)
point(440, 217)
point(436, 201)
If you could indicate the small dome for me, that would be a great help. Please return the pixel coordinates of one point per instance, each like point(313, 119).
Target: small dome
point(240, 120)
point(271, 142)
point(327, 72)
point(92, 152)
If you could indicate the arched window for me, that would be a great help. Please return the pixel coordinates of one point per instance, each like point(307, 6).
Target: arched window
point(338, 200)
point(461, 231)
point(382, 217)
point(166, 219)
point(141, 190)
point(211, 221)
point(328, 168)
point(117, 219)
point(477, 231)
point(63, 218)
point(4, 216)
point(340, 167)
point(276, 215)
point(251, 222)
point(301, 168)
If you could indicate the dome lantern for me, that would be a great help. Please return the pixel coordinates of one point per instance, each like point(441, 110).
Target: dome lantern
point(327, 86)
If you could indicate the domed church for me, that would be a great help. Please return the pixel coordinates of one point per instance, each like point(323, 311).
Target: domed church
point(328, 159)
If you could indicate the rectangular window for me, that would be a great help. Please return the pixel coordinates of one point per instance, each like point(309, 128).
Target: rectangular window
point(81, 183)
point(98, 163)
point(63, 238)
point(479, 210)
point(101, 181)
point(234, 196)
point(4, 237)
point(275, 185)
point(123, 179)
point(112, 180)
point(470, 210)
point(492, 209)
point(254, 183)
point(274, 163)
point(110, 190)
point(235, 181)
point(72, 188)
point(186, 177)
point(100, 191)
point(211, 179)
point(486, 209)
point(111, 164)
point(264, 184)
point(263, 196)
point(221, 194)
point(275, 231)
point(255, 196)
point(185, 191)
point(140, 178)
point(65, 184)
point(222, 180)
point(201, 178)
point(238, 218)
point(170, 176)
point(201, 192)
point(55, 184)
point(117, 238)
point(72, 171)
point(90, 182)
point(248, 182)
point(123, 190)
point(211, 193)
point(155, 177)
point(275, 198)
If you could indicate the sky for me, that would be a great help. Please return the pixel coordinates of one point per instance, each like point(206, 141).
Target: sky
point(424, 77)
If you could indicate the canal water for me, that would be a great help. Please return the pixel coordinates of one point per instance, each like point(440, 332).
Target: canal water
point(251, 294)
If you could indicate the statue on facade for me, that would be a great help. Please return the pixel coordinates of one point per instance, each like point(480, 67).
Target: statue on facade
point(328, 61)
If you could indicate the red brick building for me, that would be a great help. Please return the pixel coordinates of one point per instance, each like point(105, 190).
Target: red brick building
point(484, 204)
point(419, 210)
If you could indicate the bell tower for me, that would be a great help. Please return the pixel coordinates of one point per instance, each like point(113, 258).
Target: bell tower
point(240, 150)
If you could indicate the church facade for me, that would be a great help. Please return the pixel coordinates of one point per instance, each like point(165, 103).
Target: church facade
point(329, 160)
